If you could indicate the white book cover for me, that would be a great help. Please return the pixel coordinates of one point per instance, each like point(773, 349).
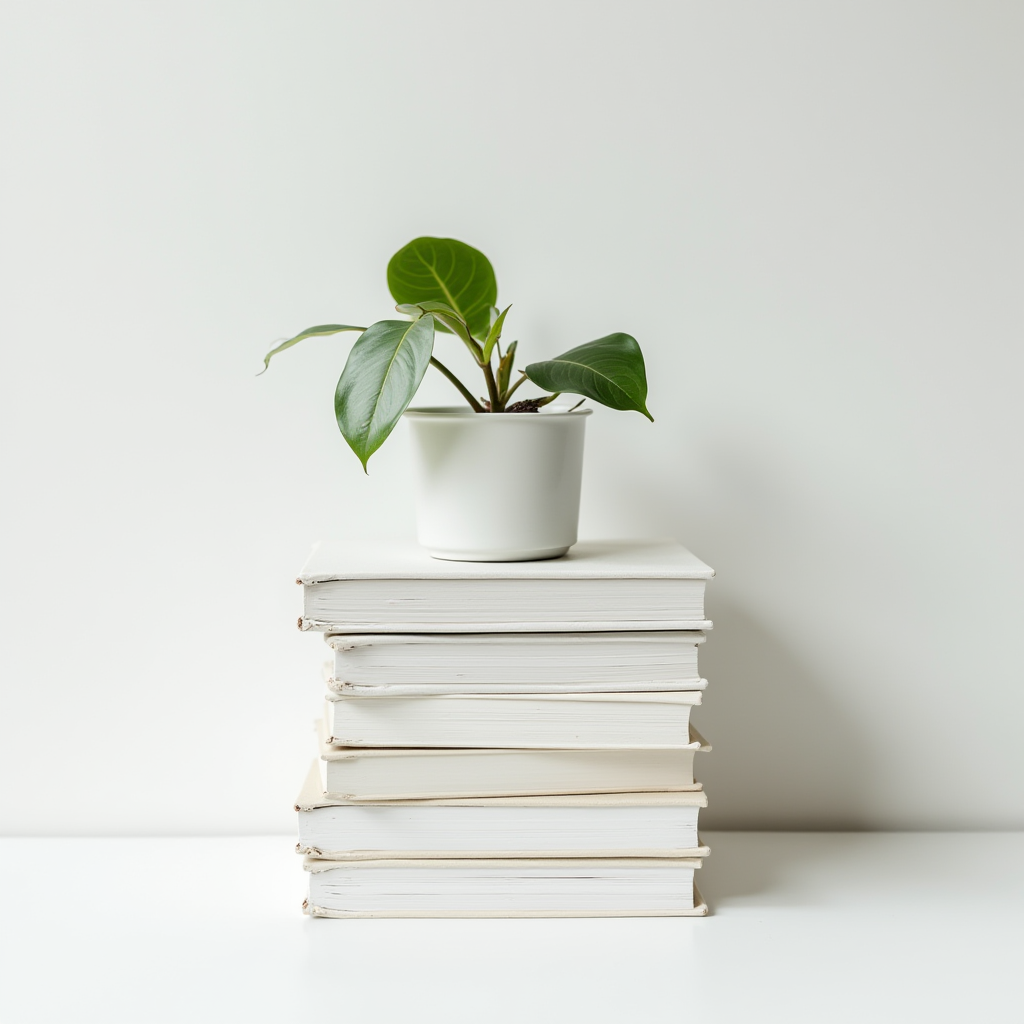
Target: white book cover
point(400, 664)
point(606, 825)
point(598, 586)
point(374, 774)
point(534, 720)
point(610, 887)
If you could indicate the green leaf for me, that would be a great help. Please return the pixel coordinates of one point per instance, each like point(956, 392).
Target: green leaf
point(446, 270)
point(609, 370)
point(446, 317)
point(456, 326)
point(494, 335)
point(383, 371)
point(309, 332)
point(505, 369)
point(420, 308)
point(411, 309)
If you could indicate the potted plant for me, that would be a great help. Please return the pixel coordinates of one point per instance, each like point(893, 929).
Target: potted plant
point(498, 479)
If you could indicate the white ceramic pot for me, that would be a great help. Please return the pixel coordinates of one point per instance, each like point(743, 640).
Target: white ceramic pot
point(497, 487)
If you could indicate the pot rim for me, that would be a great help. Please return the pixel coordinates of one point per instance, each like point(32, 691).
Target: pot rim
point(437, 412)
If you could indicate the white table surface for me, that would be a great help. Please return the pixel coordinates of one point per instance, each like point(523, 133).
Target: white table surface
point(820, 927)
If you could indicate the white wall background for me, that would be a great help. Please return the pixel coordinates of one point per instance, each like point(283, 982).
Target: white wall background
point(809, 214)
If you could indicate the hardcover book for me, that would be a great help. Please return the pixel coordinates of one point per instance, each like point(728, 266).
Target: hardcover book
point(608, 825)
point(504, 888)
point(598, 586)
point(373, 773)
point(565, 720)
point(406, 664)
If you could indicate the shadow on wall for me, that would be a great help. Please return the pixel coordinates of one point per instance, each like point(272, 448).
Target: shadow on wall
point(784, 754)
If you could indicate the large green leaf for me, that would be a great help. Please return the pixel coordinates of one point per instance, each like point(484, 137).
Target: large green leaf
point(449, 271)
point(383, 371)
point(609, 370)
point(309, 332)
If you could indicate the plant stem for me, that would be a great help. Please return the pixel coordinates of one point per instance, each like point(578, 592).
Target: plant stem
point(492, 389)
point(511, 390)
point(463, 390)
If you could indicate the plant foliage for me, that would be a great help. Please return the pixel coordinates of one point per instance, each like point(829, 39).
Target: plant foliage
point(609, 370)
point(445, 270)
point(445, 284)
point(382, 373)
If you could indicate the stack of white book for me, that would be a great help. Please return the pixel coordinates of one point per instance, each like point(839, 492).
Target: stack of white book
point(505, 739)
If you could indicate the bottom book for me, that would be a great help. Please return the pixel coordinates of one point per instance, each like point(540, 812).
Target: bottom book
point(625, 887)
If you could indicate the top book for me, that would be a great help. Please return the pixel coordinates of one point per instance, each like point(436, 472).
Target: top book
point(376, 587)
